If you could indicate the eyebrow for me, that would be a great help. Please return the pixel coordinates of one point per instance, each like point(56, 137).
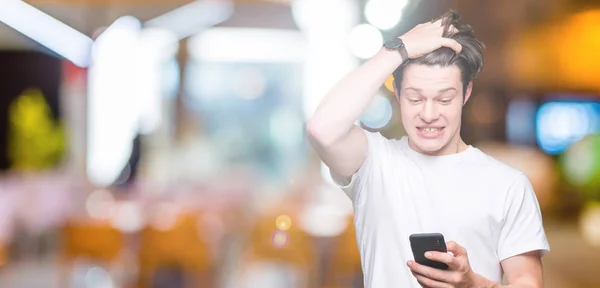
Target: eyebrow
point(439, 91)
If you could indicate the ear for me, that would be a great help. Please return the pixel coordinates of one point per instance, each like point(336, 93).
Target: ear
point(468, 92)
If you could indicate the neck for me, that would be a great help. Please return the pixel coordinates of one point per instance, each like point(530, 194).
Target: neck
point(454, 146)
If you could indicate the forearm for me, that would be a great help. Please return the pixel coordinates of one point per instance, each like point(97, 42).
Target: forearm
point(482, 282)
point(350, 97)
point(496, 285)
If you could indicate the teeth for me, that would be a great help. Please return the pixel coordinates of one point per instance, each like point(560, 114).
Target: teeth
point(430, 130)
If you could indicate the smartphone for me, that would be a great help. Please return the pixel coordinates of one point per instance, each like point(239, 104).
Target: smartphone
point(423, 242)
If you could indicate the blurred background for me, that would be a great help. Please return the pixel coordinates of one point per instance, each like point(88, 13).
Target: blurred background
point(161, 143)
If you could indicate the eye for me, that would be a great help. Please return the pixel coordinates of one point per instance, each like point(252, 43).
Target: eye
point(415, 101)
point(446, 101)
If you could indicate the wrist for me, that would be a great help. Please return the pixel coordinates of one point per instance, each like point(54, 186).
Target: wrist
point(397, 46)
point(392, 56)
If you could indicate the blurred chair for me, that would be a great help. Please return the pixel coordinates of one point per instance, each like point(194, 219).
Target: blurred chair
point(277, 258)
point(344, 266)
point(3, 256)
point(93, 241)
point(176, 248)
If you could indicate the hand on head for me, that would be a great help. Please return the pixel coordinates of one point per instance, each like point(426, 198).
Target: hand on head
point(428, 37)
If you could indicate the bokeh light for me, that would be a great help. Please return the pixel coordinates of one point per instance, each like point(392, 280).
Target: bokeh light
point(250, 82)
point(164, 216)
point(560, 124)
point(280, 239)
point(590, 224)
point(384, 14)
point(128, 217)
point(100, 205)
point(389, 83)
point(581, 164)
point(365, 41)
point(378, 114)
point(98, 277)
point(283, 222)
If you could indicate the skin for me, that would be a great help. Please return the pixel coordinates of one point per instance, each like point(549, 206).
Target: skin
point(433, 97)
point(523, 271)
point(429, 97)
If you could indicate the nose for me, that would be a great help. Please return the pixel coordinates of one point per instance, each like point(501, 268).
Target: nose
point(429, 112)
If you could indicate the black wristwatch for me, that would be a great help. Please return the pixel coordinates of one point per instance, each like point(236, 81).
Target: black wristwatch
point(398, 45)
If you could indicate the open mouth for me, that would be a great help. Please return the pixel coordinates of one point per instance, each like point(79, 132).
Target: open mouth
point(430, 131)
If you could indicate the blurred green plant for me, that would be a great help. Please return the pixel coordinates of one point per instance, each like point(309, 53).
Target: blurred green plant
point(581, 166)
point(35, 140)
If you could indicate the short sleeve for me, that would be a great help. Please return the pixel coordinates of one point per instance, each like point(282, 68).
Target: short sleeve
point(354, 185)
point(522, 229)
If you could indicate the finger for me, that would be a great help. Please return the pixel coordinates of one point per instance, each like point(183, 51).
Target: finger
point(452, 44)
point(442, 257)
point(430, 283)
point(452, 29)
point(437, 23)
point(422, 284)
point(456, 249)
point(431, 273)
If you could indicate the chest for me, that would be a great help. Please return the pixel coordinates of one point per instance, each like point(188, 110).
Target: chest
point(455, 201)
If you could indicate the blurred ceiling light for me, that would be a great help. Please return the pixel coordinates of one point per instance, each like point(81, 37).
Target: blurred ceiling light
point(48, 31)
point(125, 81)
point(112, 123)
point(365, 41)
point(250, 45)
point(156, 47)
point(122, 27)
point(378, 114)
point(193, 17)
point(384, 14)
point(324, 17)
point(326, 25)
point(159, 43)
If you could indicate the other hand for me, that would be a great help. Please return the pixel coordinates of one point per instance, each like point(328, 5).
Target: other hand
point(459, 273)
point(426, 38)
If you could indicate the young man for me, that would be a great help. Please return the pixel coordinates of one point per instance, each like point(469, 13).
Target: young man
point(430, 180)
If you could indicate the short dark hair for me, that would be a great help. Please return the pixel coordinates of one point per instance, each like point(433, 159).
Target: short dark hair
point(469, 61)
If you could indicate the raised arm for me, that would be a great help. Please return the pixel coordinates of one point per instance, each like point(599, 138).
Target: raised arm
point(341, 144)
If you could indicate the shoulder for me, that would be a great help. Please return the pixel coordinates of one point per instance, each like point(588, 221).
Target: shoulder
point(495, 171)
point(490, 164)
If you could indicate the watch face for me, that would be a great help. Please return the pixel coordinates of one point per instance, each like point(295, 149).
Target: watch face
point(394, 43)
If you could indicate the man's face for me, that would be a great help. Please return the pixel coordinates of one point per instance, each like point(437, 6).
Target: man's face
point(431, 101)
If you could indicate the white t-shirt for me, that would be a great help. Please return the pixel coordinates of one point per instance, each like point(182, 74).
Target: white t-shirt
point(471, 198)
